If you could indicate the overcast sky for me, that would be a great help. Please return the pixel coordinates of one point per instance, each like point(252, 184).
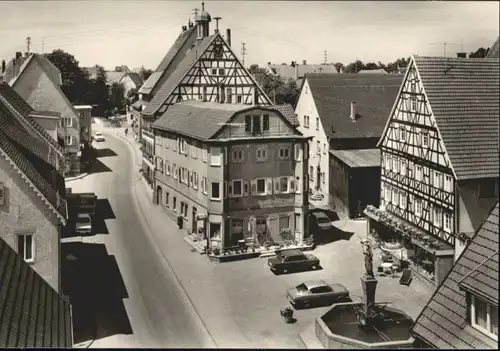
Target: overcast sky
point(138, 33)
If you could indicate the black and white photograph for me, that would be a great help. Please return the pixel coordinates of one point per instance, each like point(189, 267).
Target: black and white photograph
point(249, 174)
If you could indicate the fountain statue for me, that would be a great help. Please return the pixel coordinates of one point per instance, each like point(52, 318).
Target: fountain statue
point(368, 284)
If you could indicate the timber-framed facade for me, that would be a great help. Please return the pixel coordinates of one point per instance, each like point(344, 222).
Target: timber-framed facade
point(426, 206)
point(209, 71)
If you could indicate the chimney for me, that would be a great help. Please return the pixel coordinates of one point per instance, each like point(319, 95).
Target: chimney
point(461, 54)
point(3, 66)
point(296, 72)
point(184, 28)
point(304, 62)
point(228, 37)
point(26, 54)
point(353, 111)
point(269, 63)
point(19, 54)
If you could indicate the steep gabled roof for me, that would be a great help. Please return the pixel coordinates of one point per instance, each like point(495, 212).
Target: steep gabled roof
point(374, 95)
point(135, 77)
point(288, 112)
point(13, 67)
point(33, 313)
point(177, 75)
point(21, 110)
point(29, 156)
point(180, 47)
point(443, 321)
point(494, 50)
point(463, 95)
point(113, 77)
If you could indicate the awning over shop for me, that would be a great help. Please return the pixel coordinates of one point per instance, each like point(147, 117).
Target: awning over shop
point(408, 230)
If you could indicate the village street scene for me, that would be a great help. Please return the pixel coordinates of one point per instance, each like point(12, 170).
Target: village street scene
point(211, 176)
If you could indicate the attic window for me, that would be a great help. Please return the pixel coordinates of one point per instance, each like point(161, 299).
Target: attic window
point(484, 317)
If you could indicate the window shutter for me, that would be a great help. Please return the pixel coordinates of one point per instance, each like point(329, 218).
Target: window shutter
point(225, 189)
point(245, 188)
point(276, 185)
point(291, 185)
point(269, 186)
point(254, 186)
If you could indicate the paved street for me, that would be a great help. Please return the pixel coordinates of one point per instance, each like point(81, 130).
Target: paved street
point(238, 302)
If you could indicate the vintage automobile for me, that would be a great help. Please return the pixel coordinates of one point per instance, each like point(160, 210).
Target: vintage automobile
point(315, 293)
point(99, 137)
point(83, 223)
point(292, 260)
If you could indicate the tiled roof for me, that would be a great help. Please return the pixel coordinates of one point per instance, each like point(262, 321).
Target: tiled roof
point(177, 75)
point(288, 112)
point(494, 50)
point(113, 77)
point(136, 78)
point(374, 95)
point(23, 109)
point(30, 156)
point(443, 322)
point(200, 120)
point(287, 72)
point(33, 315)
point(358, 158)
point(180, 47)
point(463, 94)
point(370, 71)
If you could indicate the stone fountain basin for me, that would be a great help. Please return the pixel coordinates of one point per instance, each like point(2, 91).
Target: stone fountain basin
point(339, 329)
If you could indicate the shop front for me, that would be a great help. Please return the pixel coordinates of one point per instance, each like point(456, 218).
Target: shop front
point(428, 257)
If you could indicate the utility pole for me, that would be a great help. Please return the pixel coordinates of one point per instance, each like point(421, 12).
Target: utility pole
point(326, 57)
point(243, 52)
point(28, 44)
point(445, 44)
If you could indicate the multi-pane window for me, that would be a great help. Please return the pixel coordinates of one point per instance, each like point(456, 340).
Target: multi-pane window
point(306, 121)
point(395, 196)
point(237, 155)
point(195, 180)
point(283, 184)
point(261, 153)
point(402, 133)
point(215, 156)
point(204, 186)
point(448, 181)
point(284, 153)
point(387, 196)
point(317, 123)
point(402, 199)
point(237, 188)
point(447, 221)
point(215, 195)
point(484, 316)
point(424, 138)
point(438, 216)
point(259, 186)
point(418, 207)
point(418, 172)
point(26, 247)
point(265, 122)
point(68, 139)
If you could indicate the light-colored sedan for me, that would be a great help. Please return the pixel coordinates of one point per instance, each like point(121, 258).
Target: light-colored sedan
point(99, 137)
point(317, 293)
point(83, 223)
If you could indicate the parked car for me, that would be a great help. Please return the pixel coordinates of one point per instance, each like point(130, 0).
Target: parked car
point(99, 137)
point(83, 223)
point(317, 293)
point(321, 221)
point(292, 260)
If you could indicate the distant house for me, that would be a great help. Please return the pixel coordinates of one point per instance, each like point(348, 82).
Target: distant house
point(33, 208)
point(85, 112)
point(297, 72)
point(27, 118)
point(130, 80)
point(371, 71)
point(34, 315)
point(38, 82)
point(463, 313)
point(111, 76)
point(342, 112)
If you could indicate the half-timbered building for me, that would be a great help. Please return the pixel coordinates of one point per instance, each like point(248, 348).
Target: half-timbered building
point(200, 66)
point(440, 166)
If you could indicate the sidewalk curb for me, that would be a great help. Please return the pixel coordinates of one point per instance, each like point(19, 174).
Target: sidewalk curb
point(80, 176)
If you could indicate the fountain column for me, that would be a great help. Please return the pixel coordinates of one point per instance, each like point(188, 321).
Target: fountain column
point(368, 280)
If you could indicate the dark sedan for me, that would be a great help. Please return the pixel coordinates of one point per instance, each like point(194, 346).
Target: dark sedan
point(317, 293)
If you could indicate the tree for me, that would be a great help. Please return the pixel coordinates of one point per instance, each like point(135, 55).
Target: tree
point(339, 66)
point(480, 53)
point(145, 73)
point(354, 67)
point(132, 95)
point(400, 63)
point(371, 65)
point(117, 97)
point(100, 93)
point(75, 81)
